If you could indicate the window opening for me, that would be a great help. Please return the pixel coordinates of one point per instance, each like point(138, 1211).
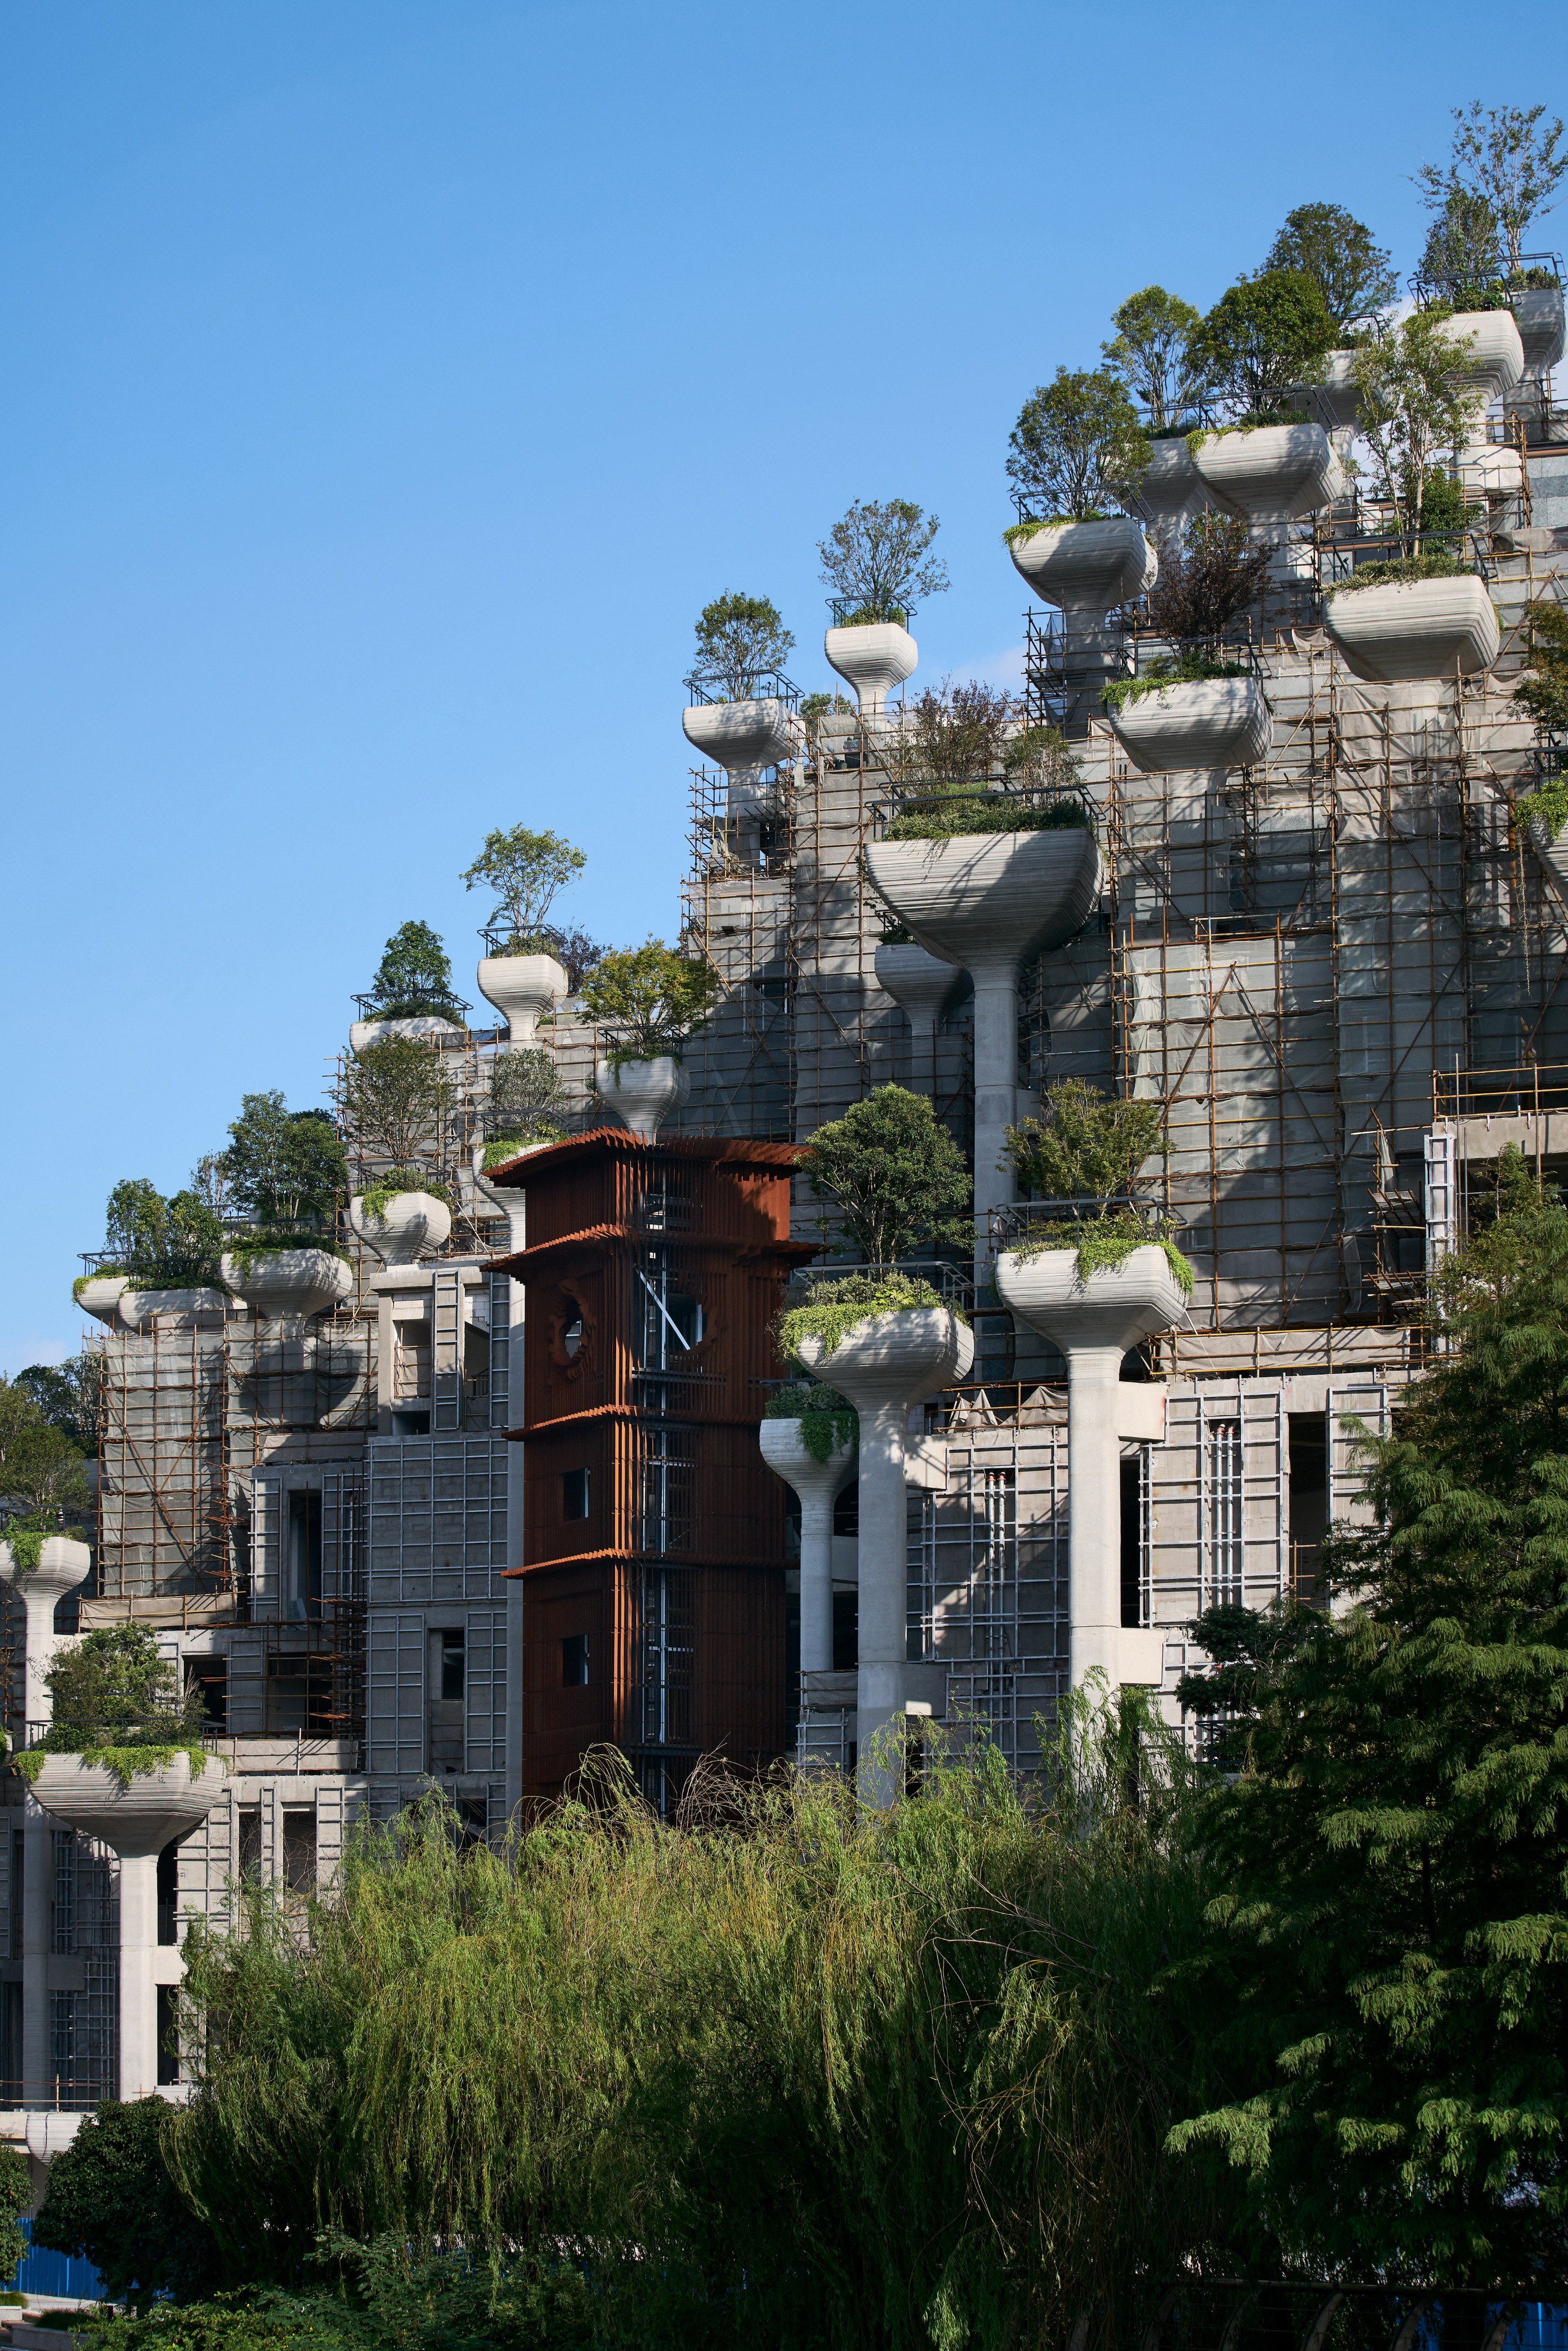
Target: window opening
point(574, 1493)
point(574, 1661)
point(168, 1894)
point(305, 1553)
point(1225, 1514)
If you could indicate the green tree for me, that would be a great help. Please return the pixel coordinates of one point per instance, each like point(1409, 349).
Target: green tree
point(69, 1395)
point(650, 998)
point(1390, 1945)
point(114, 1688)
point(1509, 160)
point(1085, 1145)
point(896, 1176)
point(395, 1096)
point(162, 1244)
point(1262, 336)
point(1152, 354)
point(414, 977)
point(286, 1168)
point(524, 872)
point(41, 1472)
point(1338, 253)
point(1463, 252)
point(110, 2201)
point(16, 2198)
point(524, 1098)
point(877, 558)
point(739, 640)
point(1411, 412)
point(1076, 444)
point(1544, 691)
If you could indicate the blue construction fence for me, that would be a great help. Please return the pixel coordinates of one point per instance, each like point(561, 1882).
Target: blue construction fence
point(77, 2281)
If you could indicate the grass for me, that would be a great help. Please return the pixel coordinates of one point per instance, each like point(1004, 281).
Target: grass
point(1160, 675)
point(835, 1306)
point(1102, 1243)
point(1400, 573)
point(948, 815)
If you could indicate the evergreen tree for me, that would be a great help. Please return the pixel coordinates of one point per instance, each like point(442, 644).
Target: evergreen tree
point(897, 1177)
point(414, 977)
point(1338, 253)
point(1263, 336)
point(1076, 441)
point(285, 1167)
point(1391, 1958)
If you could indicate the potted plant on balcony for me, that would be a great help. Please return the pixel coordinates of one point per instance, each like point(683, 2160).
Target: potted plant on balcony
point(1076, 444)
point(288, 1171)
point(649, 1001)
point(741, 645)
point(524, 870)
point(396, 1102)
point(411, 994)
point(164, 1257)
point(1188, 711)
point(122, 1742)
point(877, 561)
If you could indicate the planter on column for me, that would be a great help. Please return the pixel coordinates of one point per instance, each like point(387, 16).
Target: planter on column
point(139, 1307)
point(136, 1820)
point(521, 987)
point(417, 1024)
point(1495, 360)
point(989, 900)
point(642, 1095)
point(743, 739)
point(1415, 629)
point(1272, 473)
point(62, 1564)
point(1093, 1321)
point(884, 1364)
point(920, 984)
point(874, 656)
point(1171, 489)
point(99, 1295)
point(411, 1223)
point(818, 1485)
point(290, 1285)
point(1215, 722)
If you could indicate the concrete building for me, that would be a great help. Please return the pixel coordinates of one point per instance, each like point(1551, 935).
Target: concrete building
point(1331, 951)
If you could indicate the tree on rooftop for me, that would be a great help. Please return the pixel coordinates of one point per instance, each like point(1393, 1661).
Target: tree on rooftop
point(414, 977)
point(1085, 1145)
point(286, 1168)
point(1463, 252)
point(877, 558)
point(1152, 354)
point(1338, 253)
point(1388, 1955)
point(1262, 336)
point(738, 639)
point(1412, 412)
point(1076, 442)
point(650, 998)
point(896, 1176)
point(68, 1395)
point(1510, 159)
point(952, 734)
point(395, 1095)
point(161, 1243)
point(523, 871)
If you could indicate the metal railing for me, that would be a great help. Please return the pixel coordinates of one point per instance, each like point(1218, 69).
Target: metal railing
point(848, 613)
point(1019, 1220)
point(1521, 1092)
point(1461, 290)
point(766, 686)
point(954, 1284)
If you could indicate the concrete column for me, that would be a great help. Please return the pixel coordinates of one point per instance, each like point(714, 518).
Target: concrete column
point(37, 1913)
point(996, 1092)
point(1094, 1525)
point(517, 1238)
point(138, 1994)
point(818, 1485)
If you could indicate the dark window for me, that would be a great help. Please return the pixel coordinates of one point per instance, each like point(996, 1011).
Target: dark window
point(305, 1554)
point(168, 1892)
point(846, 1632)
point(250, 1842)
point(847, 1511)
point(571, 1333)
point(452, 1656)
point(473, 1819)
point(300, 1850)
point(1137, 1596)
point(211, 1677)
point(167, 2045)
point(1309, 1498)
point(299, 1696)
point(574, 1661)
point(411, 1424)
point(574, 1493)
point(11, 2036)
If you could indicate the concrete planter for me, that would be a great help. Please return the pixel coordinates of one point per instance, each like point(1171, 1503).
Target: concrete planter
point(1415, 629)
point(742, 737)
point(376, 1032)
point(1539, 316)
point(1171, 488)
point(1219, 722)
point(875, 658)
point(987, 901)
point(919, 983)
point(413, 1223)
point(1495, 360)
point(136, 1821)
point(1093, 1322)
point(63, 1564)
point(641, 1094)
point(884, 1364)
point(1087, 568)
point(290, 1284)
point(818, 1485)
point(508, 1202)
point(1272, 474)
point(139, 1307)
point(521, 987)
point(101, 1297)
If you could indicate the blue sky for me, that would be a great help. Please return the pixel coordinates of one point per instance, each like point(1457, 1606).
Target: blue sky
point(389, 385)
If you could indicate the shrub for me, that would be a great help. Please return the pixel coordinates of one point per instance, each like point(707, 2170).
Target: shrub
point(1398, 571)
point(16, 2198)
point(650, 998)
point(942, 817)
point(949, 737)
point(172, 1244)
point(1189, 670)
point(395, 1097)
point(376, 1197)
point(1085, 1145)
point(834, 1308)
point(110, 2201)
point(897, 1177)
point(1207, 576)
